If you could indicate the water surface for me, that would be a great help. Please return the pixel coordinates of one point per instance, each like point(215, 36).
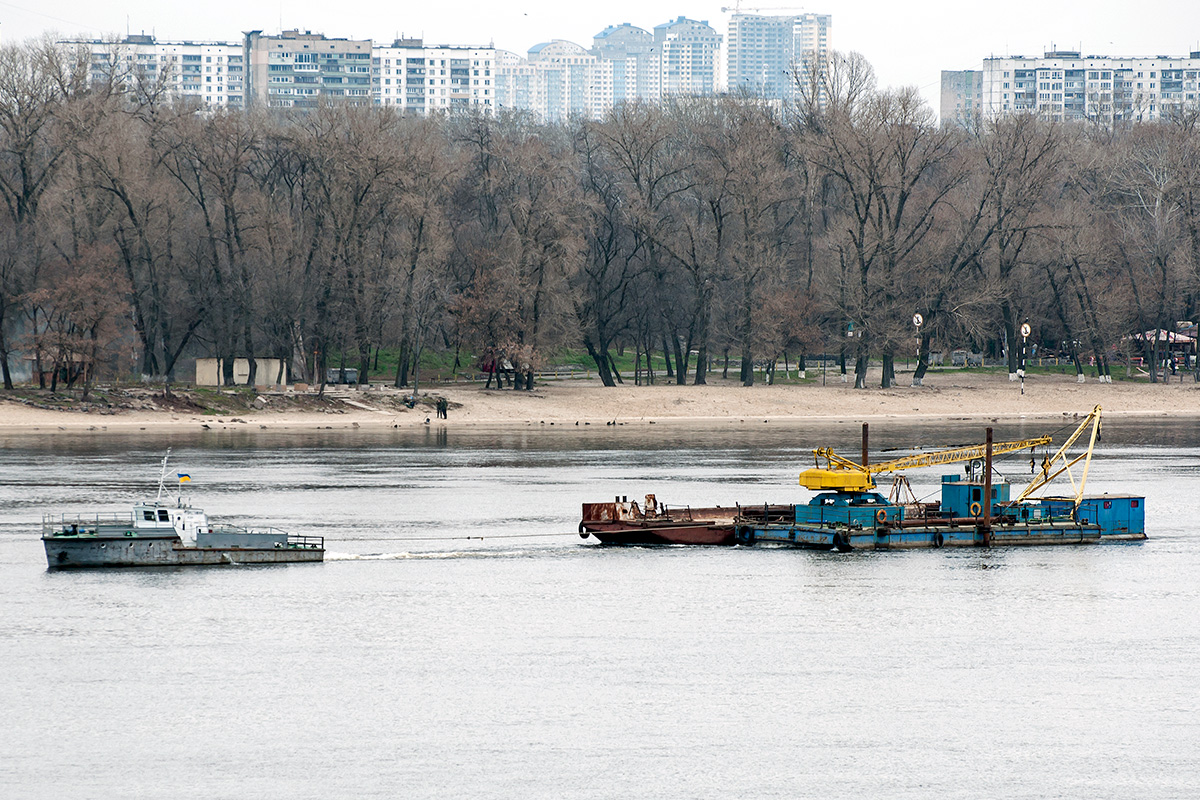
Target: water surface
point(461, 640)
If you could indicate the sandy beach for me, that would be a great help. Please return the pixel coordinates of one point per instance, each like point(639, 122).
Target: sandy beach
point(959, 395)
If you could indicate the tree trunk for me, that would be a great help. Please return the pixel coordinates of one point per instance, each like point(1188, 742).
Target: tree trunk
point(860, 369)
point(681, 362)
point(1010, 338)
point(227, 367)
point(667, 357)
point(8, 384)
point(922, 360)
point(601, 360)
point(889, 370)
point(252, 362)
point(616, 373)
point(402, 365)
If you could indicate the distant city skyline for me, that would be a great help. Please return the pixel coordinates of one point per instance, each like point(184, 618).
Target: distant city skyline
point(906, 46)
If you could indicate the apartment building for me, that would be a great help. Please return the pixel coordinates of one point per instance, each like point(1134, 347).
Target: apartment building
point(764, 53)
point(632, 61)
point(688, 57)
point(556, 80)
point(301, 69)
point(423, 79)
point(1064, 85)
point(208, 74)
point(961, 96)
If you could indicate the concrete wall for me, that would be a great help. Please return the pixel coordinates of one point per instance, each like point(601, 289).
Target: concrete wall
point(208, 371)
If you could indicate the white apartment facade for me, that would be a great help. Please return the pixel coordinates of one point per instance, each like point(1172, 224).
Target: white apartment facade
point(295, 69)
point(560, 79)
point(1064, 86)
point(632, 62)
point(209, 74)
point(688, 57)
point(423, 79)
point(764, 53)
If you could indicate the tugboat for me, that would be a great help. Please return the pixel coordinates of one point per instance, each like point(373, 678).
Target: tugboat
point(159, 534)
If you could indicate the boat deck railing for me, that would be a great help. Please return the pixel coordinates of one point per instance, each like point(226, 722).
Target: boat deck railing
point(294, 540)
point(306, 542)
point(60, 522)
point(115, 518)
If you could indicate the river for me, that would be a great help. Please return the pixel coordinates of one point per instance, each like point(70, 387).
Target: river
point(462, 641)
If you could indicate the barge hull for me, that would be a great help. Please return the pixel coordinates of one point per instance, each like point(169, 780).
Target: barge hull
point(910, 538)
point(628, 534)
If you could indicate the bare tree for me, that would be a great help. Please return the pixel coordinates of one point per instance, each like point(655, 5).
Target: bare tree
point(890, 161)
point(37, 79)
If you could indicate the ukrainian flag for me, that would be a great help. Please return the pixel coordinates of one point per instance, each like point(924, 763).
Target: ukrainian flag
point(183, 477)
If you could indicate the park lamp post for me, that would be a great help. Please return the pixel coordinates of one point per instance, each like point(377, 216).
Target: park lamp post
point(1025, 330)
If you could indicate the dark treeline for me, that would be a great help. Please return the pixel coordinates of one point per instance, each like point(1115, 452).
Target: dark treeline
point(134, 231)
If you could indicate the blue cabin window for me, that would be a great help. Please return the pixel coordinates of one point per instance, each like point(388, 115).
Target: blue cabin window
point(1108, 503)
point(1133, 503)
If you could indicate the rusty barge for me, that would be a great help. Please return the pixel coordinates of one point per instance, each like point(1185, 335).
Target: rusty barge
point(623, 521)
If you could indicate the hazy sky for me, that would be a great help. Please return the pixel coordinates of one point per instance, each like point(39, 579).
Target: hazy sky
point(908, 43)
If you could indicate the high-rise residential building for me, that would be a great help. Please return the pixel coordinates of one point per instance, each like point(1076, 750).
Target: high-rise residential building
point(568, 74)
point(962, 96)
point(301, 69)
point(1064, 85)
point(632, 60)
point(558, 80)
point(517, 84)
point(766, 53)
point(208, 74)
point(423, 79)
point(688, 60)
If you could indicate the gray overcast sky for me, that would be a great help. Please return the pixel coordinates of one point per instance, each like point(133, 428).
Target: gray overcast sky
point(908, 44)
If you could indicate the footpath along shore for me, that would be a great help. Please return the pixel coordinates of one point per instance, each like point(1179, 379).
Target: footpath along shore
point(945, 396)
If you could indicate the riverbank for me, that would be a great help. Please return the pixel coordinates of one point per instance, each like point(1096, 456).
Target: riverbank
point(957, 395)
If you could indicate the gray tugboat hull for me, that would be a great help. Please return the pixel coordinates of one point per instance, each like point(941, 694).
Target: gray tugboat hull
point(142, 551)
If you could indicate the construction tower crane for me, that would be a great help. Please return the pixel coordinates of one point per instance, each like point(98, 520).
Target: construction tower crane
point(843, 475)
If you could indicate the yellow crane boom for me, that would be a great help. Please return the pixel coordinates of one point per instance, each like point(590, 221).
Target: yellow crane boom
point(1062, 461)
point(844, 475)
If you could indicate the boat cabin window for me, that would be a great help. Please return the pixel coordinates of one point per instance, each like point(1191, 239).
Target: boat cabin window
point(163, 516)
point(148, 515)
